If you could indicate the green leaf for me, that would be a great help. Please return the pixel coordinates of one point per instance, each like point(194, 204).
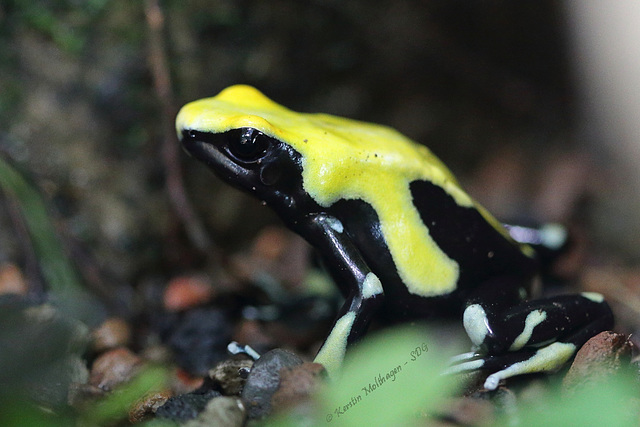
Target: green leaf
point(391, 378)
point(116, 405)
point(608, 403)
point(57, 270)
point(20, 413)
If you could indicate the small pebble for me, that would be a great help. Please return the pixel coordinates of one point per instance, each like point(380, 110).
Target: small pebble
point(264, 379)
point(47, 315)
point(221, 411)
point(186, 292)
point(114, 332)
point(77, 368)
point(146, 406)
point(199, 339)
point(297, 384)
point(114, 367)
point(184, 382)
point(12, 281)
point(43, 313)
point(231, 375)
point(157, 353)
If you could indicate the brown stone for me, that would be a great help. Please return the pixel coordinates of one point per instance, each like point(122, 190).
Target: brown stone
point(146, 406)
point(114, 367)
point(600, 357)
point(297, 384)
point(114, 332)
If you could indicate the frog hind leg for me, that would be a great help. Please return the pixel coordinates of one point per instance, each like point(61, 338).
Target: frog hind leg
point(363, 289)
point(544, 359)
point(536, 336)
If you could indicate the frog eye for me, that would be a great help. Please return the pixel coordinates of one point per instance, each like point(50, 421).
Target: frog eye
point(250, 146)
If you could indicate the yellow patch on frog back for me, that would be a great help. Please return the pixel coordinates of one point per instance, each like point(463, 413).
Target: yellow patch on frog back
point(349, 159)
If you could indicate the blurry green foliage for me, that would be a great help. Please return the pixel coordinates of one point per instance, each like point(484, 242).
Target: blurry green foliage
point(64, 21)
point(67, 23)
point(61, 278)
point(611, 402)
point(417, 394)
point(56, 268)
point(116, 405)
point(391, 378)
point(20, 413)
point(107, 411)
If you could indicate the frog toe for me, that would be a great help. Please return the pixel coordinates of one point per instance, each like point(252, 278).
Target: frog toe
point(545, 359)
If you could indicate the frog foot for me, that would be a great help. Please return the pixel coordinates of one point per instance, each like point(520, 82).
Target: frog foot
point(545, 359)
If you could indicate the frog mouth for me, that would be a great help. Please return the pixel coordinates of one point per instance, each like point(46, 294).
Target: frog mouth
point(197, 148)
point(211, 155)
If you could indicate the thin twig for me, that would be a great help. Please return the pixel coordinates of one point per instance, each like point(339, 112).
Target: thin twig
point(170, 148)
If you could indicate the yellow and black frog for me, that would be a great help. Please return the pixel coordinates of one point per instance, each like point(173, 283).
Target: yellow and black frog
point(395, 229)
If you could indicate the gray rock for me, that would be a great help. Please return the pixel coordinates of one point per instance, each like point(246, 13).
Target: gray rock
point(264, 380)
point(220, 412)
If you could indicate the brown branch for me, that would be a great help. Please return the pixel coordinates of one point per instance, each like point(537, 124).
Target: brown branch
point(170, 148)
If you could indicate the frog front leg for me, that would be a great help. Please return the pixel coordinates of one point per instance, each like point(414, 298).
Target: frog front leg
point(529, 337)
point(362, 288)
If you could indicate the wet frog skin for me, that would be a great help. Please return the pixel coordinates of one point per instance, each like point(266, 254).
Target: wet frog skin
point(396, 231)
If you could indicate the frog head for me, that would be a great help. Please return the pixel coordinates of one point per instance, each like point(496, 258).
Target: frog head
point(232, 135)
point(250, 160)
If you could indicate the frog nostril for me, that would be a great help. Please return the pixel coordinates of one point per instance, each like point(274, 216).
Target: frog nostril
point(270, 174)
point(189, 135)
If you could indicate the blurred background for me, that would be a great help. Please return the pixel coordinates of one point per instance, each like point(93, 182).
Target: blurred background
point(533, 105)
